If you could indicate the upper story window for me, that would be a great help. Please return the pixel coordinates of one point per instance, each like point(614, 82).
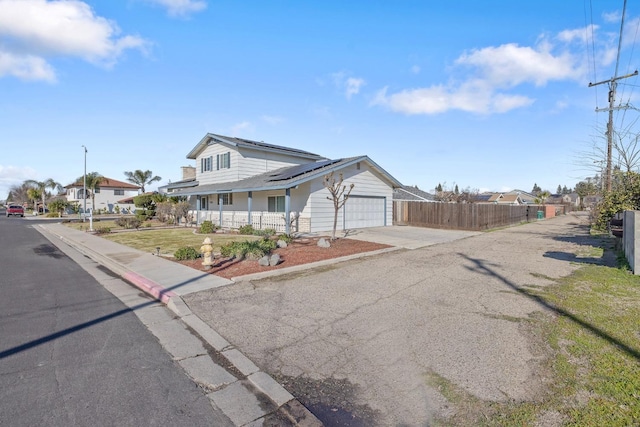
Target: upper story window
point(96, 190)
point(118, 192)
point(224, 160)
point(206, 164)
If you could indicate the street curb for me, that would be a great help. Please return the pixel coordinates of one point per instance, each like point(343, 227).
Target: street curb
point(150, 287)
point(312, 265)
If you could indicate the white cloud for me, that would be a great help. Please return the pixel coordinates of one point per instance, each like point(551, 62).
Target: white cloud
point(25, 67)
point(353, 86)
point(612, 17)
point(510, 65)
point(472, 98)
point(415, 69)
point(493, 72)
point(13, 175)
point(181, 7)
point(32, 30)
point(350, 85)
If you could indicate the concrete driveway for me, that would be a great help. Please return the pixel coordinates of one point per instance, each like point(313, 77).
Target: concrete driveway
point(408, 237)
point(372, 338)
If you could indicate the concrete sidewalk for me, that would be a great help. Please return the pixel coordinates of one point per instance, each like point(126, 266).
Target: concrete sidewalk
point(248, 396)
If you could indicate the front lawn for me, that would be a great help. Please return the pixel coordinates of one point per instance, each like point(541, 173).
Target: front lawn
point(171, 239)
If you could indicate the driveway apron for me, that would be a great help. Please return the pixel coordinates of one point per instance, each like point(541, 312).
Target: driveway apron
point(372, 332)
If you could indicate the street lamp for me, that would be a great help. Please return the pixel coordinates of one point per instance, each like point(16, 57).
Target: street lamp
point(84, 186)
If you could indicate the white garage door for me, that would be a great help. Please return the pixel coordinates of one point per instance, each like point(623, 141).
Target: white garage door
point(361, 212)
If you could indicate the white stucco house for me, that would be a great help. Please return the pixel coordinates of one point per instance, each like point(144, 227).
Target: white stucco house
point(238, 181)
point(108, 194)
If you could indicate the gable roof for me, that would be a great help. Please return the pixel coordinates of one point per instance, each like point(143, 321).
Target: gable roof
point(286, 177)
point(412, 194)
point(106, 182)
point(504, 198)
point(230, 141)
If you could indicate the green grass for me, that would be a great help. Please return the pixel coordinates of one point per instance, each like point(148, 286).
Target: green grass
point(152, 235)
point(171, 239)
point(593, 359)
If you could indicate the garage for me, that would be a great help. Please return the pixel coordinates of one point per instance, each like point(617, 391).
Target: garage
point(364, 211)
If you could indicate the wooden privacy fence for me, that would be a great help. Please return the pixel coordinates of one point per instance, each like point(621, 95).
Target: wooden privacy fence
point(462, 216)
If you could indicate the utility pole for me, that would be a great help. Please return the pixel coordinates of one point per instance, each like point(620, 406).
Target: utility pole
point(84, 186)
point(612, 98)
point(613, 83)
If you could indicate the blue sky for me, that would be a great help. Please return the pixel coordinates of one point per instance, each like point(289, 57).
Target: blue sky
point(489, 95)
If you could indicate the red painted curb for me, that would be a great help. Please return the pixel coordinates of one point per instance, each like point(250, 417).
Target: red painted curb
point(150, 287)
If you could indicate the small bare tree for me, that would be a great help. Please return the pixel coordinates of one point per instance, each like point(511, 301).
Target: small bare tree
point(339, 196)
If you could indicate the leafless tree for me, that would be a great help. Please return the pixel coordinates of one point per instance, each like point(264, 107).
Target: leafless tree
point(339, 196)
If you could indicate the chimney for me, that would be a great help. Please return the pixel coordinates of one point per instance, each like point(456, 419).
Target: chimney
point(188, 172)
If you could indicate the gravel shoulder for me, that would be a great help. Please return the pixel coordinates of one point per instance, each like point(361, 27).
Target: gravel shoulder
point(365, 338)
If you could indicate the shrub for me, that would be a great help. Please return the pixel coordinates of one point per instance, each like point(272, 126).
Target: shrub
point(143, 215)
point(288, 238)
point(250, 231)
point(58, 205)
point(207, 227)
point(185, 253)
point(128, 222)
point(102, 230)
point(246, 230)
point(254, 248)
point(267, 232)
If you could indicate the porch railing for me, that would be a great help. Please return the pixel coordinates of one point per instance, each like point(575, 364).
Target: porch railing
point(259, 220)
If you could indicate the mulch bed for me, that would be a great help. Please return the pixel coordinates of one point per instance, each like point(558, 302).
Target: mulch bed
point(300, 251)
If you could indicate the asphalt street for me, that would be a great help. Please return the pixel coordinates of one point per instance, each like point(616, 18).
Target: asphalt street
point(72, 354)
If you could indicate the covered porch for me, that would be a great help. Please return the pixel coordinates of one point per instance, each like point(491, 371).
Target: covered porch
point(273, 210)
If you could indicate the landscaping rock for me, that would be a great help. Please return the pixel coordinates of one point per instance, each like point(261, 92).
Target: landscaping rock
point(324, 243)
point(275, 260)
point(264, 261)
point(281, 243)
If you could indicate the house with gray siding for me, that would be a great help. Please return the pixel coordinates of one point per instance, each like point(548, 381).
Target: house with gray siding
point(238, 181)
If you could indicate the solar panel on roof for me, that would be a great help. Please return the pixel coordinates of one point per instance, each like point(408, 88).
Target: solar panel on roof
point(294, 171)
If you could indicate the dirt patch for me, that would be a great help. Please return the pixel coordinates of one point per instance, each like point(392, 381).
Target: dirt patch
point(298, 252)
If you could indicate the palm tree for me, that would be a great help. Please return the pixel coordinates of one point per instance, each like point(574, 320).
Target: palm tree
point(34, 194)
point(141, 178)
point(42, 187)
point(542, 197)
point(93, 180)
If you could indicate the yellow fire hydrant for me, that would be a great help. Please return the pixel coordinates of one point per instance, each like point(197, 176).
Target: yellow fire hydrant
point(207, 253)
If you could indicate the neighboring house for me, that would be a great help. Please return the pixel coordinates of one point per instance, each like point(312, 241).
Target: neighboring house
point(109, 194)
point(239, 181)
point(483, 197)
point(525, 198)
point(188, 180)
point(564, 199)
point(505, 199)
point(412, 194)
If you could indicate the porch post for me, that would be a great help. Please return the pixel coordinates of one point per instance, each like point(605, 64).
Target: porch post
point(249, 200)
point(220, 204)
point(287, 214)
point(198, 207)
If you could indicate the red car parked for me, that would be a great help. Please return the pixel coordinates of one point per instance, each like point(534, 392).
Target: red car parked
point(15, 210)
